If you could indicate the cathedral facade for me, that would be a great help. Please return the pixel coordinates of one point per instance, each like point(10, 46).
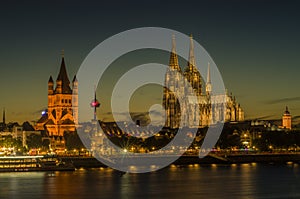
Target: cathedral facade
point(193, 106)
point(62, 113)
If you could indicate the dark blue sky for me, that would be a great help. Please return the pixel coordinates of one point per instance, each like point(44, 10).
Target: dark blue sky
point(255, 44)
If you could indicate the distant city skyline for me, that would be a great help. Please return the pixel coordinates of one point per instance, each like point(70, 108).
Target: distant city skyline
point(253, 43)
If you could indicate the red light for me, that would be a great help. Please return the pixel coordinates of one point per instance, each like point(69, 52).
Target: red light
point(95, 103)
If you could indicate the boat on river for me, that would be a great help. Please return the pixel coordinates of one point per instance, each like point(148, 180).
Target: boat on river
point(33, 163)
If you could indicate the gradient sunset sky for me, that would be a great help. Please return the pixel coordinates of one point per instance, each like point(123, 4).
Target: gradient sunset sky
point(255, 45)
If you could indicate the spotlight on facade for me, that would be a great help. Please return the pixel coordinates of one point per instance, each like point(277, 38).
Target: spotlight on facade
point(44, 112)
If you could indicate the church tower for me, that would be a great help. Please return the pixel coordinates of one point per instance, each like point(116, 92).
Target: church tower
point(287, 119)
point(173, 85)
point(62, 112)
point(201, 105)
point(191, 72)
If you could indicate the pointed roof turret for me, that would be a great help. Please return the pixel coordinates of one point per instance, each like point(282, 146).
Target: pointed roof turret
point(75, 85)
point(50, 86)
point(208, 74)
point(286, 112)
point(74, 79)
point(173, 63)
point(50, 79)
point(63, 77)
point(208, 81)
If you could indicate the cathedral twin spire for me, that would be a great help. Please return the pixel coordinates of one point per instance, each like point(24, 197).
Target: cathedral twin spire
point(173, 63)
point(190, 73)
point(191, 62)
point(207, 107)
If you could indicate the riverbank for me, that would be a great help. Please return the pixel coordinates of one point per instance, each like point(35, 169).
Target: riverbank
point(90, 162)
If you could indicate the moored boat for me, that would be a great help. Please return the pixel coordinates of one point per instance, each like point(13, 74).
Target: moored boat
point(33, 163)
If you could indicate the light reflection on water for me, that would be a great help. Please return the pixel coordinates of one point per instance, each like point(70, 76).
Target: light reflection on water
point(193, 181)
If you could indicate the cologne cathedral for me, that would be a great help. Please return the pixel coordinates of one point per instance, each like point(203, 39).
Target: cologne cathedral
point(205, 108)
point(62, 113)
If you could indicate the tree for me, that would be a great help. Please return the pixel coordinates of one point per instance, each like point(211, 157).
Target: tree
point(34, 141)
point(73, 141)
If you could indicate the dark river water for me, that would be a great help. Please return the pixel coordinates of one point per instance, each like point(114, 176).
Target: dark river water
point(211, 181)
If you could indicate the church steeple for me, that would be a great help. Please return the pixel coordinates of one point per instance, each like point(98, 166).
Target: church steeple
point(286, 110)
point(3, 117)
point(173, 63)
point(191, 73)
point(50, 79)
point(75, 85)
point(173, 80)
point(50, 86)
point(191, 62)
point(63, 82)
point(62, 110)
point(208, 73)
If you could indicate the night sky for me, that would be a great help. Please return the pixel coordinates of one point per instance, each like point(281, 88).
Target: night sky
point(255, 45)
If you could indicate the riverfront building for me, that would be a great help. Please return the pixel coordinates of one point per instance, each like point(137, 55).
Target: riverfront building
point(62, 113)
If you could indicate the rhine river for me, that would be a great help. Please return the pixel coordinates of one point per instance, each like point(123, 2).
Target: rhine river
point(194, 181)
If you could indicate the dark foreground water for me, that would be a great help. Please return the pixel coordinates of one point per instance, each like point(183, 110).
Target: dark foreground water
point(213, 181)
